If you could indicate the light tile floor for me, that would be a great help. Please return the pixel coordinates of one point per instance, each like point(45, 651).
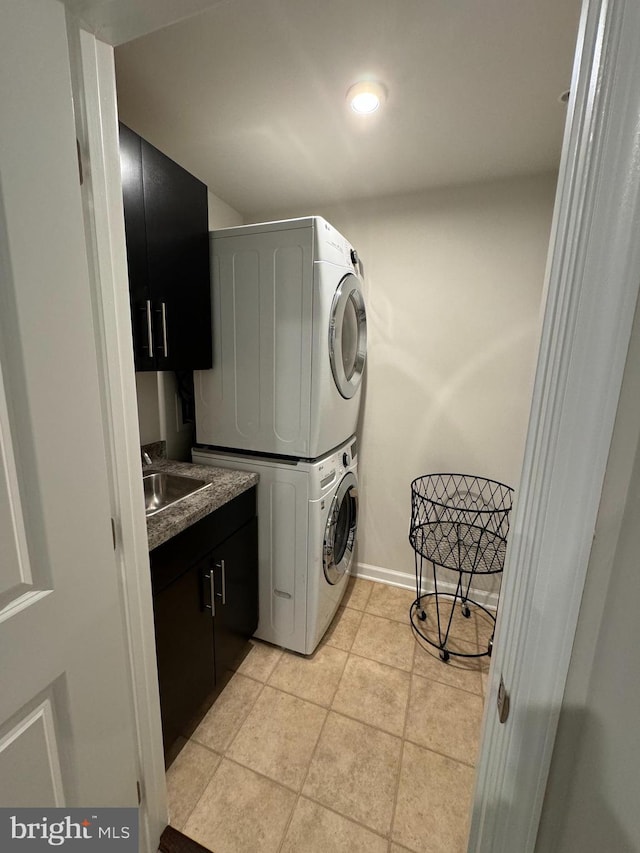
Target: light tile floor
point(368, 745)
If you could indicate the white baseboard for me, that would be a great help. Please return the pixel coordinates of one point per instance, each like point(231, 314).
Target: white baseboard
point(406, 580)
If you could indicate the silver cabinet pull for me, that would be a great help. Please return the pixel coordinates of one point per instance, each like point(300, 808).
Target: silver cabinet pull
point(212, 607)
point(165, 345)
point(149, 327)
point(224, 583)
point(223, 594)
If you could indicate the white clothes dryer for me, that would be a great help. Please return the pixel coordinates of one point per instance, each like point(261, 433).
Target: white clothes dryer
point(289, 340)
point(307, 525)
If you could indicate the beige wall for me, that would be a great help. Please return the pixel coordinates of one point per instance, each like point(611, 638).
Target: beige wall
point(454, 281)
point(221, 215)
point(148, 411)
point(159, 410)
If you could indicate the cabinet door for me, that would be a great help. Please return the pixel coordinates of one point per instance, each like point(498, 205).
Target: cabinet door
point(136, 234)
point(176, 220)
point(184, 649)
point(235, 571)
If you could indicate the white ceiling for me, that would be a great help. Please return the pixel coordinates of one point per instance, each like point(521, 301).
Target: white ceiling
point(250, 95)
point(118, 21)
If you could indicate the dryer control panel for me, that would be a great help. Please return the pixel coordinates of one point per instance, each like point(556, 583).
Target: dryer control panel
point(331, 246)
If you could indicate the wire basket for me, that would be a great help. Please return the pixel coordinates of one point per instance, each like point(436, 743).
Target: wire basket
point(459, 522)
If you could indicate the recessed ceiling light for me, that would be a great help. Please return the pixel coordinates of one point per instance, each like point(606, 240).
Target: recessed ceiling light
point(365, 97)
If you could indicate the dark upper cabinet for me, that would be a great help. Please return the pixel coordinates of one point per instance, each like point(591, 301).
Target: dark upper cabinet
point(166, 225)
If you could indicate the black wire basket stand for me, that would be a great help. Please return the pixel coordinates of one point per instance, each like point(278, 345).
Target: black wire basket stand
point(460, 523)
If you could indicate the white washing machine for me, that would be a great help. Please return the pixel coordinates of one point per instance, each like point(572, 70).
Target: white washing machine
point(307, 524)
point(289, 340)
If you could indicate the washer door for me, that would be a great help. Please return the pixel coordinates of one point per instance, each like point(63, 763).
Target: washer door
point(348, 336)
point(340, 532)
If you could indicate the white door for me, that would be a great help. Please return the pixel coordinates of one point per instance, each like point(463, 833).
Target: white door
point(341, 528)
point(348, 336)
point(66, 725)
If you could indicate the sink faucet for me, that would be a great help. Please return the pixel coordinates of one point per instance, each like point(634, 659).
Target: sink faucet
point(146, 459)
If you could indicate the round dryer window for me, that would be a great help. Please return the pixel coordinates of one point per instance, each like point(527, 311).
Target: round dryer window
point(340, 532)
point(348, 336)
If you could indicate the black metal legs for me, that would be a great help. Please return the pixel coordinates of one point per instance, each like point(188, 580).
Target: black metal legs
point(435, 631)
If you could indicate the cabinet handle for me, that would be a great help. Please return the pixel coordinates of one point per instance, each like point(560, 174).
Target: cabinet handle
point(223, 594)
point(165, 345)
point(149, 328)
point(212, 607)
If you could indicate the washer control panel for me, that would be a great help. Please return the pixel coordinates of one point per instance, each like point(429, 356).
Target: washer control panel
point(333, 468)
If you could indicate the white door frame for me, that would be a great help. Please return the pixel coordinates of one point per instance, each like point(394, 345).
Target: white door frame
point(593, 275)
point(93, 74)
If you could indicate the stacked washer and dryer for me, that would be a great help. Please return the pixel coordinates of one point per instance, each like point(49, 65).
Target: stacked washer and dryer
point(283, 400)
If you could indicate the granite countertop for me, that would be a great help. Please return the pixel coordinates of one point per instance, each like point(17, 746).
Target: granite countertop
point(225, 485)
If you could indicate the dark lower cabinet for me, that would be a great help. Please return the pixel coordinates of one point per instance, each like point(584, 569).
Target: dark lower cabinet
point(205, 603)
point(184, 649)
point(236, 616)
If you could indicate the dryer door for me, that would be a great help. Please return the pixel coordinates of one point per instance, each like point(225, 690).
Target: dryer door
point(348, 336)
point(340, 532)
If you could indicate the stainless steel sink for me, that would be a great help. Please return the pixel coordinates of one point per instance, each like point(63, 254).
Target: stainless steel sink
point(162, 489)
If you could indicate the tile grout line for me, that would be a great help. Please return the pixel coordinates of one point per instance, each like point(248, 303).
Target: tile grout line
point(315, 748)
point(322, 728)
point(224, 754)
point(263, 775)
point(348, 651)
point(348, 818)
point(280, 650)
point(431, 749)
point(309, 797)
point(250, 708)
point(402, 743)
point(441, 754)
point(376, 660)
point(246, 716)
point(446, 684)
point(381, 662)
point(348, 716)
point(364, 606)
point(313, 799)
point(427, 749)
point(288, 692)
